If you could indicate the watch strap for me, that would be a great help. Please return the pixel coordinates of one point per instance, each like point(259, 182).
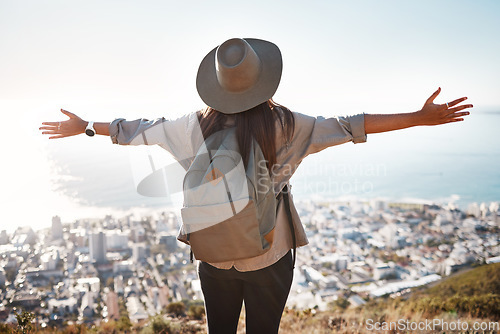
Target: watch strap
point(89, 130)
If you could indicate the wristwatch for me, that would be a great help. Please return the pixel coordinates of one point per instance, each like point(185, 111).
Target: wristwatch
point(90, 131)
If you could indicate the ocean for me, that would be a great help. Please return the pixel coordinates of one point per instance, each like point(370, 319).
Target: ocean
point(456, 163)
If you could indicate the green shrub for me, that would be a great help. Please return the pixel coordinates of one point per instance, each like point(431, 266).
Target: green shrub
point(159, 325)
point(177, 308)
point(25, 322)
point(196, 311)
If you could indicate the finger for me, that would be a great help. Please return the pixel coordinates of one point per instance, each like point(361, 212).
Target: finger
point(47, 128)
point(58, 136)
point(452, 120)
point(51, 132)
point(67, 113)
point(51, 123)
point(457, 101)
point(433, 96)
point(465, 106)
point(459, 114)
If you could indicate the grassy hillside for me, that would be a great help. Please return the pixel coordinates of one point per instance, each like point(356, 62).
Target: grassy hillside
point(475, 293)
point(482, 279)
point(468, 297)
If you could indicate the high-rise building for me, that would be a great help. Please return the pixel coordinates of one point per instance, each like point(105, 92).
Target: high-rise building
point(97, 247)
point(139, 253)
point(112, 304)
point(2, 277)
point(57, 229)
point(4, 238)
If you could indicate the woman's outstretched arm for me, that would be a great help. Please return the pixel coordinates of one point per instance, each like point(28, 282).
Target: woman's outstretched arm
point(430, 114)
point(71, 127)
point(181, 137)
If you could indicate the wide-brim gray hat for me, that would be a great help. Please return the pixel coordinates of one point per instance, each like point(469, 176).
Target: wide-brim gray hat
point(239, 74)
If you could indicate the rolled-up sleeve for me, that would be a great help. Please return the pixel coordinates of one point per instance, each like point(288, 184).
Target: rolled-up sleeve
point(180, 136)
point(314, 134)
point(125, 132)
point(332, 131)
point(140, 131)
point(357, 123)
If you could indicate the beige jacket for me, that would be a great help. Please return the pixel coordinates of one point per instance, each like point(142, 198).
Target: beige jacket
point(182, 138)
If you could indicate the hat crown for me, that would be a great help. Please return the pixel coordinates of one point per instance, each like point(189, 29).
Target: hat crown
point(237, 65)
point(239, 74)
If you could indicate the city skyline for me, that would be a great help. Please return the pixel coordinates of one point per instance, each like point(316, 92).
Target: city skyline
point(94, 272)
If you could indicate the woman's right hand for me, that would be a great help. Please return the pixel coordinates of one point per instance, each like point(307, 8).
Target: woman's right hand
point(71, 127)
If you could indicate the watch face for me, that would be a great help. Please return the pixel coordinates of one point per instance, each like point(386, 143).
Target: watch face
point(89, 132)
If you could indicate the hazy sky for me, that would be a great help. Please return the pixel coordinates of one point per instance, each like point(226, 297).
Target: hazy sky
point(368, 54)
point(106, 59)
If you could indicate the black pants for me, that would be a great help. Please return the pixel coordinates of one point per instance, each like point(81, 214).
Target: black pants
point(264, 292)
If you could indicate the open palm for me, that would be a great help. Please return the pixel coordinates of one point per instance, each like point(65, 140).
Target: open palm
point(71, 127)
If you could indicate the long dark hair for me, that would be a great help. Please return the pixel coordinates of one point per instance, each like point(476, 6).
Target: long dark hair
point(258, 122)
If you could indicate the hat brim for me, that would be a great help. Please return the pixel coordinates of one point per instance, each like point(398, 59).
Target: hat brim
point(266, 85)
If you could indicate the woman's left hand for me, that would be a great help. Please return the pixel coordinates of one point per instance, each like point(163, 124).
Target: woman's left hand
point(435, 114)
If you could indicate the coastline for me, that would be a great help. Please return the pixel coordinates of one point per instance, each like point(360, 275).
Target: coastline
point(82, 212)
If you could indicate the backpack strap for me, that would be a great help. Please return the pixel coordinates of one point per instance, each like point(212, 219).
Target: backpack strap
point(286, 201)
point(191, 256)
point(225, 183)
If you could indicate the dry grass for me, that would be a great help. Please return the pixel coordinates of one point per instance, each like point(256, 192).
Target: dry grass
point(358, 320)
